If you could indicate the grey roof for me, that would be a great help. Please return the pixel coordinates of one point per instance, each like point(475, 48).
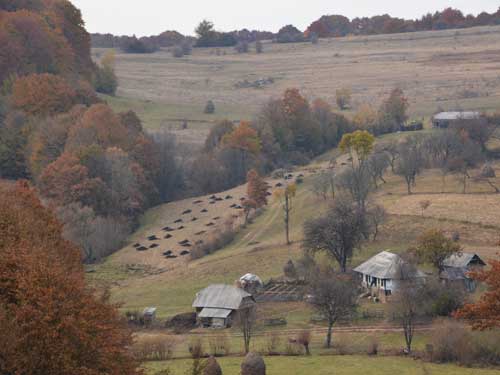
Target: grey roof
point(384, 265)
point(462, 260)
point(220, 296)
point(209, 312)
point(457, 115)
point(149, 311)
point(251, 278)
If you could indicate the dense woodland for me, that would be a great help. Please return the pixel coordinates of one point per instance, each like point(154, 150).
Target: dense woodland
point(326, 26)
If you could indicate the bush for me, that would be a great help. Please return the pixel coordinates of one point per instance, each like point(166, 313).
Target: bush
point(105, 80)
point(209, 107)
point(453, 342)
point(216, 241)
point(158, 348)
point(219, 345)
point(195, 348)
point(273, 343)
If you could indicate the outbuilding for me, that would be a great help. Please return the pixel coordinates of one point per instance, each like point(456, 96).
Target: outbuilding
point(444, 119)
point(218, 305)
point(457, 267)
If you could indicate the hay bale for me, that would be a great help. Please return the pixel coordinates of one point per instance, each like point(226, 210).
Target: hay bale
point(153, 246)
point(200, 233)
point(178, 221)
point(168, 252)
point(204, 210)
point(181, 227)
point(198, 202)
point(211, 202)
point(142, 248)
point(194, 219)
point(216, 218)
point(186, 212)
point(228, 197)
point(212, 367)
point(167, 236)
point(136, 245)
point(233, 205)
point(168, 229)
point(210, 224)
point(152, 238)
point(185, 252)
point(253, 365)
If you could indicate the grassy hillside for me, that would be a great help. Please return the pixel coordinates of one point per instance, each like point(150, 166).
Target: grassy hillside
point(439, 69)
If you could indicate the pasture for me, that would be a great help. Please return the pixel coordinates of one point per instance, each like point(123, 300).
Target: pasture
point(438, 70)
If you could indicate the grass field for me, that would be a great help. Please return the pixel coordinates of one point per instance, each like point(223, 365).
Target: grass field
point(439, 69)
point(331, 365)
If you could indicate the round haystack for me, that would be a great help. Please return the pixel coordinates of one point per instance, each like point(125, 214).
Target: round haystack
point(212, 367)
point(289, 270)
point(253, 365)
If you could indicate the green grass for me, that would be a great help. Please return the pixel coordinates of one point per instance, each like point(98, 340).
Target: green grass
point(330, 365)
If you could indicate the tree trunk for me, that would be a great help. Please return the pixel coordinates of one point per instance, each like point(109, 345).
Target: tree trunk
point(287, 219)
point(329, 335)
point(408, 184)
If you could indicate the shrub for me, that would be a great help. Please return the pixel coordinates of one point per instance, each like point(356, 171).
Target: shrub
point(292, 348)
point(195, 348)
point(273, 343)
point(158, 348)
point(209, 107)
point(216, 241)
point(219, 345)
point(453, 342)
point(343, 345)
point(253, 365)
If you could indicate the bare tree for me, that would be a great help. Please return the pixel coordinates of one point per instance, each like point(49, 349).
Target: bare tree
point(424, 205)
point(286, 196)
point(246, 320)
point(465, 158)
point(376, 216)
point(357, 182)
point(324, 185)
point(377, 165)
point(334, 296)
point(337, 233)
point(392, 151)
point(410, 161)
point(409, 298)
point(488, 175)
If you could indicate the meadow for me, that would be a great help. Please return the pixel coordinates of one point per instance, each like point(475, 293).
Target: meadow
point(448, 69)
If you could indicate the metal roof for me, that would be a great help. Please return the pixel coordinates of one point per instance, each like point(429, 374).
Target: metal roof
point(457, 115)
point(149, 311)
point(220, 296)
point(208, 312)
point(462, 260)
point(384, 265)
point(251, 278)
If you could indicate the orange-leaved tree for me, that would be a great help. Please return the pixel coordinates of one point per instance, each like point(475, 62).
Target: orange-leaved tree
point(485, 313)
point(51, 322)
point(256, 188)
point(42, 94)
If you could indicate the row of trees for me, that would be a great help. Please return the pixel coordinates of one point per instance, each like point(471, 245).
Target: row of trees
point(449, 18)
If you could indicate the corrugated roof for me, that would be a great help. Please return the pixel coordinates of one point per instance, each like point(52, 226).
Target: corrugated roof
point(208, 312)
point(462, 260)
point(384, 265)
point(457, 115)
point(251, 278)
point(149, 310)
point(220, 296)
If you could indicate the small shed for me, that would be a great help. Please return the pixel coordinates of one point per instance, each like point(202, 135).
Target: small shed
point(444, 119)
point(457, 267)
point(218, 305)
point(382, 272)
point(149, 315)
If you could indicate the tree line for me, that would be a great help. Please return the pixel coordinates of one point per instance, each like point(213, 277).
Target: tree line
point(326, 26)
point(338, 25)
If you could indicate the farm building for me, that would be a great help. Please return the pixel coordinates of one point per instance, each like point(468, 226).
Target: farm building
point(457, 267)
point(381, 272)
point(218, 305)
point(444, 119)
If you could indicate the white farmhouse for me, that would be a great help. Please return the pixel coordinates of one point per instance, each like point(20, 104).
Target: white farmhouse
point(382, 272)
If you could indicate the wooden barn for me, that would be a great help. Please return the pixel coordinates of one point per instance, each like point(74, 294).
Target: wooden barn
point(457, 267)
point(218, 305)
